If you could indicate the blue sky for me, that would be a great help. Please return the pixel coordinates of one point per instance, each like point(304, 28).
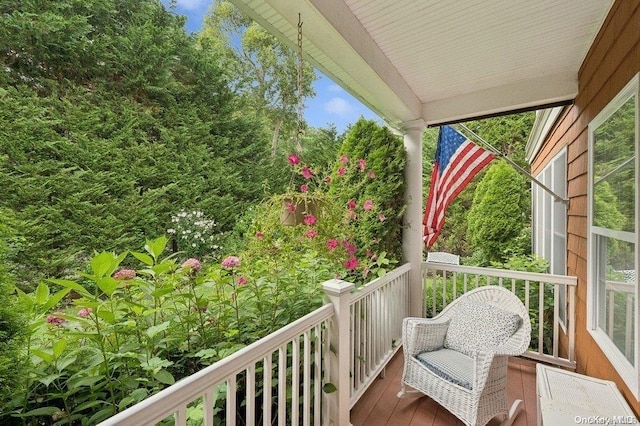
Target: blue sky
point(331, 105)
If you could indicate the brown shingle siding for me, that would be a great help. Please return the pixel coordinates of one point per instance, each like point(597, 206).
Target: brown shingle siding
point(613, 59)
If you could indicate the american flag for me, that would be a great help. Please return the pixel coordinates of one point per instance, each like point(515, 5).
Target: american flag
point(457, 161)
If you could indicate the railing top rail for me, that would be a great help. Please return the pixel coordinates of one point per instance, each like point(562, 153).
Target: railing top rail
point(191, 387)
point(504, 273)
point(379, 282)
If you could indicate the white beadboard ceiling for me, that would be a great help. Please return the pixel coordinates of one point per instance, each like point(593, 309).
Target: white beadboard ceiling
point(442, 60)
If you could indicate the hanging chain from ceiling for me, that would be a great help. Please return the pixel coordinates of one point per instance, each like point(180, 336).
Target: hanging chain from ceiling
point(299, 128)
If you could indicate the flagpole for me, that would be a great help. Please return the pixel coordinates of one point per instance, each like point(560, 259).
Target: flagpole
point(516, 166)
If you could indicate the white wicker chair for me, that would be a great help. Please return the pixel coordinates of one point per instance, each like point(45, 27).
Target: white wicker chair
point(459, 358)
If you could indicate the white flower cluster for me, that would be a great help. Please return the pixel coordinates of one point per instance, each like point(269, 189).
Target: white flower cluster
point(194, 232)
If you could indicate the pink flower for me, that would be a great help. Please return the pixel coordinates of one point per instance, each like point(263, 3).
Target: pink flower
point(231, 262)
point(311, 233)
point(362, 164)
point(368, 205)
point(351, 204)
point(291, 207)
point(306, 172)
point(332, 244)
point(341, 171)
point(344, 159)
point(192, 264)
point(349, 247)
point(125, 274)
point(55, 319)
point(293, 159)
point(259, 235)
point(84, 312)
point(382, 217)
point(351, 263)
point(372, 175)
point(309, 219)
point(242, 281)
point(327, 180)
point(304, 187)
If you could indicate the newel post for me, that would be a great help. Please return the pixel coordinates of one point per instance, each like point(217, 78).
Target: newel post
point(337, 355)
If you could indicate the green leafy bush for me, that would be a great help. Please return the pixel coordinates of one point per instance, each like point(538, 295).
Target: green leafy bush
point(95, 352)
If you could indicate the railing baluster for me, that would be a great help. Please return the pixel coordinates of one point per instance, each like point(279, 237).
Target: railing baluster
point(295, 381)
point(180, 418)
point(282, 385)
point(231, 399)
point(358, 342)
point(208, 402)
point(267, 366)
point(306, 380)
point(434, 283)
point(455, 285)
point(317, 375)
point(250, 402)
point(540, 318)
point(572, 323)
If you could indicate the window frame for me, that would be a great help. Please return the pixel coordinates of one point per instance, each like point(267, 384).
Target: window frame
point(629, 372)
point(546, 210)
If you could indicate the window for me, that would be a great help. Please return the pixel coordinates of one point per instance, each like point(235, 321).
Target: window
point(550, 218)
point(613, 233)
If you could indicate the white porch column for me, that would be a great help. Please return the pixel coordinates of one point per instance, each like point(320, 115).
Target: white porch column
point(412, 235)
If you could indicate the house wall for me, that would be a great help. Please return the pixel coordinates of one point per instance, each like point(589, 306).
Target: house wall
point(613, 59)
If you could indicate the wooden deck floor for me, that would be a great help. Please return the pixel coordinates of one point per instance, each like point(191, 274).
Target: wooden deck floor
point(381, 406)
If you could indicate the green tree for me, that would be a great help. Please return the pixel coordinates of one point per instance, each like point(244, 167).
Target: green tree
point(497, 217)
point(101, 153)
point(264, 69)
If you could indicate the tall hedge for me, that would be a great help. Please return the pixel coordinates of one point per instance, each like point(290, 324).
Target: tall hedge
point(385, 156)
point(113, 119)
point(12, 321)
point(498, 216)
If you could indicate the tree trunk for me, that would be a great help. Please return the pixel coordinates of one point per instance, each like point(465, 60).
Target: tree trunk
point(276, 135)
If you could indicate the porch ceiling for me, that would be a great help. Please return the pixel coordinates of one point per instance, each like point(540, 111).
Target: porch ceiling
point(442, 60)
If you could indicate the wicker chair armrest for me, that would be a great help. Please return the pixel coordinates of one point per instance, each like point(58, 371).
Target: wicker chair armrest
point(517, 344)
point(423, 334)
point(482, 360)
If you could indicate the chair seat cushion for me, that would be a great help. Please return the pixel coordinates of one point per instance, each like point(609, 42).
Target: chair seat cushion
point(453, 366)
point(477, 326)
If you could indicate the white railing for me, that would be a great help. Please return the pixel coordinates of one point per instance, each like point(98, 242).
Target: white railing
point(377, 310)
point(315, 381)
point(291, 355)
point(540, 293)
